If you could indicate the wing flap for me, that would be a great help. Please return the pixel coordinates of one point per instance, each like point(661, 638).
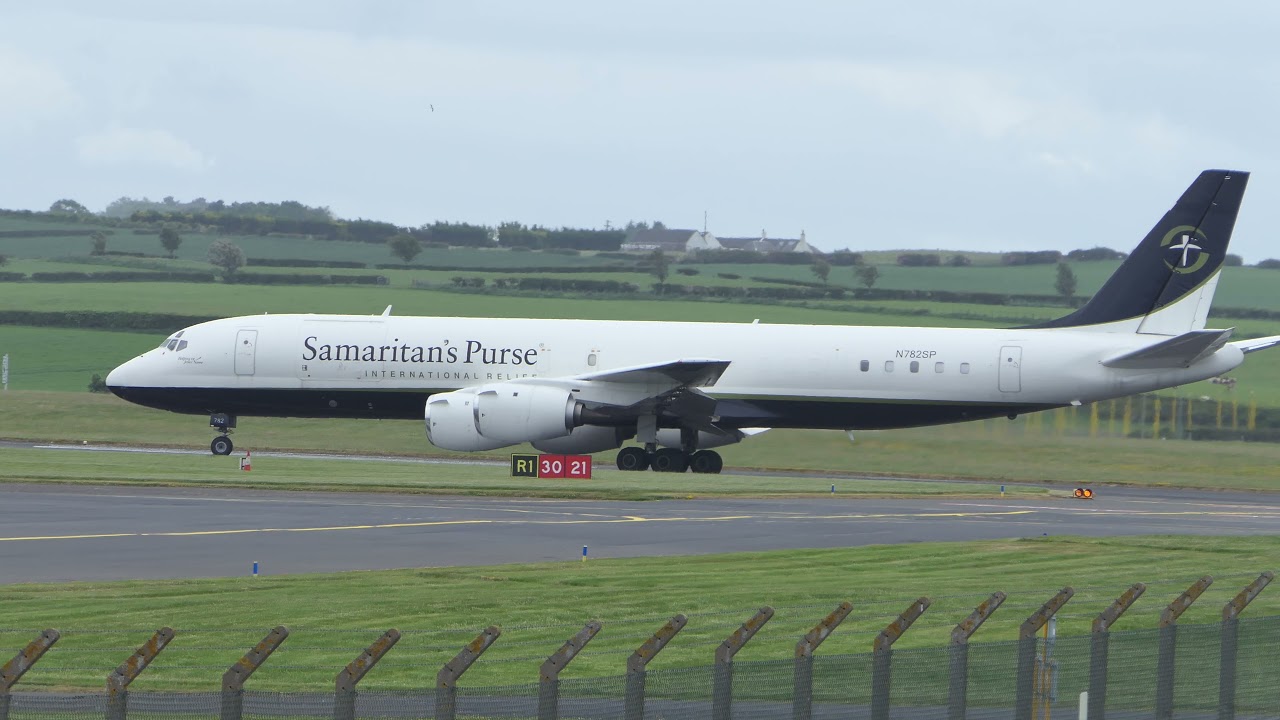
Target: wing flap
point(1181, 351)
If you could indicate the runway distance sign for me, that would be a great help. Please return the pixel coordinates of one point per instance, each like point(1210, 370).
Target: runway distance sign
point(574, 467)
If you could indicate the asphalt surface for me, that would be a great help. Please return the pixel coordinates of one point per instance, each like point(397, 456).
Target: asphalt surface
point(51, 533)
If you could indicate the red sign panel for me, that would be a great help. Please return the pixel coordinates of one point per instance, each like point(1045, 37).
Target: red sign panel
point(577, 467)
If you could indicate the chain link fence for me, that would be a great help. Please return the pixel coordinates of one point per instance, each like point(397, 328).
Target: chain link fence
point(1221, 670)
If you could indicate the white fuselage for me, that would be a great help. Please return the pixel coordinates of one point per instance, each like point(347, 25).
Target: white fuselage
point(283, 355)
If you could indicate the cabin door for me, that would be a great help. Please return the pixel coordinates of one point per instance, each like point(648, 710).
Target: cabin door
point(246, 344)
point(1010, 369)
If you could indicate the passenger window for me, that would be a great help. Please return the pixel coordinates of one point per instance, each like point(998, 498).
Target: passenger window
point(964, 368)
point(888, 366)
point(937, 367)
point(915, 366)
point(591, 360)
point(865, 365)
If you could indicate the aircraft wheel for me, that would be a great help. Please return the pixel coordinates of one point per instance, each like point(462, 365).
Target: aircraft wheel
point(706, 461)
point(669, 460)
point(633, 458)
point(221, 445)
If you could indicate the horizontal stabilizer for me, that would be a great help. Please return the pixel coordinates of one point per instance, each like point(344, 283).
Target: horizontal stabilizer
point(1257, 344)
point(688, 373)
point(1176, 352)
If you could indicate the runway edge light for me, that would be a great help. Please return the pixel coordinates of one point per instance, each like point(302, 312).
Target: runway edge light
point(1083, 493)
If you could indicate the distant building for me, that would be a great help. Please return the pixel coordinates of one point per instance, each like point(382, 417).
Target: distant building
point(766, 244)
point(672, 241)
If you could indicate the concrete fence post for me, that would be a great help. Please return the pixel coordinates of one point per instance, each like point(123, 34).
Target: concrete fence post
point(1024, 699)
point(1168, 645)
point(13, 670)
point(120, 678)
point(344, 683)
point(1231, 644)
point(958, 686)
point(802, 693)
point(722, 677)
point(549, 673)
point(234, 678)
point(447, 678)
point(1100, 647)
point(633, 708)
point(882, 657)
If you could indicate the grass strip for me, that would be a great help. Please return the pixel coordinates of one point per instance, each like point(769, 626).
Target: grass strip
point(333, 616)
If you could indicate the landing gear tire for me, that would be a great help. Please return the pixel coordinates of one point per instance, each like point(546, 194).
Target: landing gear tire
point(706, 461)
point(670, 460)
point(221, 445)
point(633, 459)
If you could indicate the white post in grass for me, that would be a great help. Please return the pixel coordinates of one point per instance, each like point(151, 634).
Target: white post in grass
point(4, 372)
point(1084, 705)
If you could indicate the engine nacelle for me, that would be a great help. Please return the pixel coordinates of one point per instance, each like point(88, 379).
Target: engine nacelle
point(669, 437)
point(586, 440)
point(515, 413)
point(451, 423)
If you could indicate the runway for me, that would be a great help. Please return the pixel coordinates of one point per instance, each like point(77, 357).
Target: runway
point(52, 533)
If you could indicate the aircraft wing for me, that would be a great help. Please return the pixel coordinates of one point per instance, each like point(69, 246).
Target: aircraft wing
point(668, 389)
point(1257, 344)
point(1180, 351)
point(691, 372)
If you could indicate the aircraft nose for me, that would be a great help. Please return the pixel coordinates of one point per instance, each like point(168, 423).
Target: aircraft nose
point(123, 376)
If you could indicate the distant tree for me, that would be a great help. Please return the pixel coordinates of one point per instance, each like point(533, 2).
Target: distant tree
point(67, 206)
point(99, 243)
point(919, 259)
point(1268, 264)
point(659, 265)
point(959, 261)
point(226, 255)
point(1233, 260)
point(822, 269)
point(97, 384)
point(657, 225)
point(1065, 284)
point(4, 260)
point(1095, 253)
point(867, 275)
point(170, 240)
point(404, 246)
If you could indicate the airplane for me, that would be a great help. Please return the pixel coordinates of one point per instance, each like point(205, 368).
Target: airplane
point(681, 389)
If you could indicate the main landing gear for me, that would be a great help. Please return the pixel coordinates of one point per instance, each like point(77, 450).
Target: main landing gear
point(224, 424)
point(672, 460)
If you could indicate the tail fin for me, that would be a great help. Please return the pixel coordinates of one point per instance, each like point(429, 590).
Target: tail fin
point(1166, 284)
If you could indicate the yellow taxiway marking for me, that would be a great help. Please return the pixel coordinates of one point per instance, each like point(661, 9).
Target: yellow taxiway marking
point(442, 523)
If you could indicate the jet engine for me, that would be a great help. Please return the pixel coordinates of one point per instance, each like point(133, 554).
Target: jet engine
point(586, 440)
point(493, 416)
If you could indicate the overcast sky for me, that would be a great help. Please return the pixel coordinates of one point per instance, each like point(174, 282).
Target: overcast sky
point(984, 125)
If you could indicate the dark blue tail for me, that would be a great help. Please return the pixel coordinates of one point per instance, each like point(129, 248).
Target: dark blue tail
point(1180, 255)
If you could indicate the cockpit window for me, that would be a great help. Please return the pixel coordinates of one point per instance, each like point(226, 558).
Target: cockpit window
point(174, 342)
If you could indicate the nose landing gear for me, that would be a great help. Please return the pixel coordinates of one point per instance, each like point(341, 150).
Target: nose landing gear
point(224, 424)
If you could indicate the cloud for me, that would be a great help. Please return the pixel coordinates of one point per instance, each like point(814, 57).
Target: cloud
point(32, 91)
point(129, 146)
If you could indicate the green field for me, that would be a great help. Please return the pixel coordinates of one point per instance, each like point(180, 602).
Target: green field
point(1026, 450)
point(333, 617)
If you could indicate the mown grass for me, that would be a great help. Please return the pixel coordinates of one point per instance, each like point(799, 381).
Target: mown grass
point(488, 479)
point(1026, 450)
point(332, 617)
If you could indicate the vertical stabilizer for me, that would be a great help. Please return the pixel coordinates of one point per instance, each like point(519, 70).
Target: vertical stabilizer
point(1166, 285)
